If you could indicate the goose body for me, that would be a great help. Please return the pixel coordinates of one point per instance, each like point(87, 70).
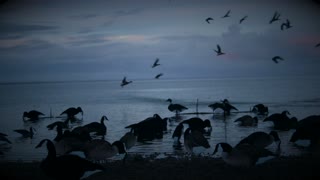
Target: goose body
point(260, 139)
point(155, 64)
point(196, 123)
point(99, 128)
point(209, 19)
point(129, 139)
point(177, 108)
point(71, 112)
point(247, 120)
point(177, 134)
point(260, 109)
point(66, 166)
point(125, 82)
point(32, 115)
point(281, 121)
point(25, 133)
point(194, 139)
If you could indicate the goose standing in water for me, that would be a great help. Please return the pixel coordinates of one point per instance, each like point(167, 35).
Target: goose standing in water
point(155, 64)
point(177, 135)
point(224, 105)
point(281, 121)
point(71, 112)
point(260, 109)
point(247, 120)
point(261, 139)
point(99, 149)
point(194, 139)
point(63, 124)
point(32, 115)
point(25, 133)
point(177, 108)
point(244, 155)
point(129, 139)
point(99, 128)
point(66, 166)
point(196, 123)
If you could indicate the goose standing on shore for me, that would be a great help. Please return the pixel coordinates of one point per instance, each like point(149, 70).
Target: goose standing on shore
point(100, 129)
point(65, 166)
point(177, 135)
point(177, 108)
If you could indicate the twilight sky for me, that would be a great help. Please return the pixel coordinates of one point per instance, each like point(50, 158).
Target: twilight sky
point(45, 40)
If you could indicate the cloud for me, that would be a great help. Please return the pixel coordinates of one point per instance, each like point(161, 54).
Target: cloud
point(11, 28)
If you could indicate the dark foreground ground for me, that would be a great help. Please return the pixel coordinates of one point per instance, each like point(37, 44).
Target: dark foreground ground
point(306, 167)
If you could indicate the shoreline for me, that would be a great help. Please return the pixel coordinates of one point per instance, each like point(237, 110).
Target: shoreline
point(138, 167)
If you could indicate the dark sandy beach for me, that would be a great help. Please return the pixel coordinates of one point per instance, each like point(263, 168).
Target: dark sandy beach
point(136, 167)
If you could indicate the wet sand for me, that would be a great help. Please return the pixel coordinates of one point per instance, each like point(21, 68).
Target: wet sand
point(137, 167)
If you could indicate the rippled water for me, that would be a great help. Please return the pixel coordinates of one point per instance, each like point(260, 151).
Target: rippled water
point(142, 99)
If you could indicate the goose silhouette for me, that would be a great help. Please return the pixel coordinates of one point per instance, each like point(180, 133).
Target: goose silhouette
point(158, 76)
point(286, 25)
point(242, 19)
point(193, 139)
point(218, 51)
point(276, 17)
point(71, 112)
point(125, 82)
point(177, 108)
point(25, 133)
point(155, 64)
point(32, 115)
point(261, 139)
point(209, 19)
point(276, 59)
point(227, 14)
point(65, 166)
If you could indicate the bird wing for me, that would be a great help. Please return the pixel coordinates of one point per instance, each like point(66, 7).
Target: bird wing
point(219, 48)
point(124, 80)
point(318, 45)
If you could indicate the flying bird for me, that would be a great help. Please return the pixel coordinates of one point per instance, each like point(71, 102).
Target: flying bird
point(125, 82)
point(286, 25)
point(242, 19)
point(318, 45)
point(155, 64)
point(227, 14)
point(218, 51)
point(277, 58)
point(158, 75)
point(276, 17)
point(209, 19)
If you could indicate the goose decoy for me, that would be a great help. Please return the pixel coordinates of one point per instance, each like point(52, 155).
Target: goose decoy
point(196, 123)
point(244, 155)
point(155, 64)
point(224, 105)
point(242, 19)
point(260, 109)
point(158, 76)
point(129, 139)
point(150, 128)
point(260, 139)
point(3, 137)
point(99, 149)
point(177, 135)
point(286, 25)
point(276, 59)
point(177, 108)
point(247, 120)
point(25, 133)
point(227, 14)
point(65, 166)
point(218, 51)
point(194, 139)
point(276, 17)
point(99, 128)
point(125, 82)
point(32, 115)
point(282, 121)
point(63, 124)
point(209, 19)
point(308, 129)
point(317, 45)
point(71, 112)
point(67, 141)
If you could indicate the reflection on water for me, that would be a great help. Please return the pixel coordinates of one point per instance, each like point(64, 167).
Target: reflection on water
point(142, 99)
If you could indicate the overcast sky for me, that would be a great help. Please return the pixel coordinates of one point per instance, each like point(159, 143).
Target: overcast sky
point(45, 40)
